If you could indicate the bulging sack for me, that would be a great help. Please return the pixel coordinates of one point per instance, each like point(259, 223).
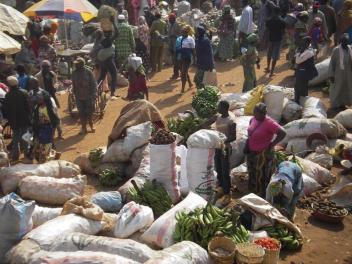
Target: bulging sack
point(132, 218)
point(207, 139)
point(236, 100)
point(345, 118)
point(163, 168)
point(108, 201)
point(274, 98)
point(42, 215)
point(309, 185)
point(126, 248)
point(323, 72)
point(185, 252)
point(200, 171)
point(291, 110)
point(15, 221)
point(307, 126)
point(312, 107)
point(11, 176)
point(87, 257)
point(121, 149)
point(50, 190)
point(49, 232)
point(315, 171)
point(160, 233)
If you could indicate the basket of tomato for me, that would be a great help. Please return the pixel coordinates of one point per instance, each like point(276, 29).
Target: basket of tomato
point(272, 249)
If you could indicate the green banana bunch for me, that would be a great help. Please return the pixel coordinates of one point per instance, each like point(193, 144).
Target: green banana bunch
point(205, 101)
point(111, 177)
point(202, 224)
point(184, 126)
point(287, 238)
point(152, 194)
point(95, 157)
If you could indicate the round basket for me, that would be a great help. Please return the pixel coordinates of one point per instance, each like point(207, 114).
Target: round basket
point(329, 218)
point(316, 137)
point(223, 243)
point(249, 253)
point(272, 256)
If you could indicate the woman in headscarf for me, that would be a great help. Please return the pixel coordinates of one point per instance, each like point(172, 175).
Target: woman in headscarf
point(305, 68)
point(248, 59)
point(344, 21)
point(143, 42)
point(227, 32)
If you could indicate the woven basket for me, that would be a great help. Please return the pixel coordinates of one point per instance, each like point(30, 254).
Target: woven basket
point(249, 253)
point(272, 256)
point(224, 243)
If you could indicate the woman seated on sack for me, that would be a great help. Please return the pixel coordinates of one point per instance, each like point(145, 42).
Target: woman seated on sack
point(45, 120)
point(285, 188)
point(263, 134)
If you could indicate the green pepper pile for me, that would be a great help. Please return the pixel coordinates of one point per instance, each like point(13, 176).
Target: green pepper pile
point(205, 101)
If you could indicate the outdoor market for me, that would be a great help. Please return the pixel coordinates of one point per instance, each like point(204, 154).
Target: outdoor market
point(182, 132)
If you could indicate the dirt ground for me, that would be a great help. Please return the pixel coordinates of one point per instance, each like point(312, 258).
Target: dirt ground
point(324, 243)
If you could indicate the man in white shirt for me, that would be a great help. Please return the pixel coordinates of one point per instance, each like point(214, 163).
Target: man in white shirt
point(246, 23)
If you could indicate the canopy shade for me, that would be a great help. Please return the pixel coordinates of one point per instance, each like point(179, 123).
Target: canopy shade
point(12, 21)
point(68, 9)
point(8, 45)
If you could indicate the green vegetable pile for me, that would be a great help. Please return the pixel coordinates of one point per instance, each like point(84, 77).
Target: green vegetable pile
point(184, 126)
point(111, 177)
point(151, 194)
point(201, 225)
point(205, 101)
point(281, 156)
point(287, 238)
point(95, 157)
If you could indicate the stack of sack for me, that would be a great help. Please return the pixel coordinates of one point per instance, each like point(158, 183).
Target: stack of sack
point(53, 182)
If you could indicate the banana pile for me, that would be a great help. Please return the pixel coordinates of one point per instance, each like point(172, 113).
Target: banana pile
point(202, 224)
point(287, 238)
point(151, 194)
point(95, 157)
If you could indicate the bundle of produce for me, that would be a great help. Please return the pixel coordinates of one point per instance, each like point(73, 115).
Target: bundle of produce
point(287, 238)
point(184, 126)
point(202, 224)
point(163, 137)
point(281, 156)
point(309, 202)
point(95, 157)
point(151, 194)
point(111, 177)
point(205, 101)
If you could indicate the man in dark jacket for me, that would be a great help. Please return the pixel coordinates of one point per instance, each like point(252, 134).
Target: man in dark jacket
point(16, 110)
point(204, 56)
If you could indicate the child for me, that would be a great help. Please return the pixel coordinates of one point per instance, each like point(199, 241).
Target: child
point(137, 87)
point(44, 122)
point(316, 33)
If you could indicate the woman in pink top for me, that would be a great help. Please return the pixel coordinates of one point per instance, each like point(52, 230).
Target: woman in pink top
point(263, 134)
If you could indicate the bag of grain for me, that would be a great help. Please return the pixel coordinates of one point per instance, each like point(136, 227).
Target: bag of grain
point(42, 215)
point(291, 110)
point(312, 107)
point(274, 98)
point(161, 231)
point(50, 190)
point(345, 118)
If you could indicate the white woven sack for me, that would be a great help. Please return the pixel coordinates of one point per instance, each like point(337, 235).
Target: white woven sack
point(200, 171)
point(163, 168)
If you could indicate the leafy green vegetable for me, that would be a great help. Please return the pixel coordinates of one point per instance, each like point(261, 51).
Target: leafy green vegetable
point(205, 101)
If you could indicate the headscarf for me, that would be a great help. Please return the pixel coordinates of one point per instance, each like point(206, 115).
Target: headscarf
point(345, 18)
point(227, 20)
point(143, 31)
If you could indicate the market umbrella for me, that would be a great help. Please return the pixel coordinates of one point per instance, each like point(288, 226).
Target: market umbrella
point(8, 45)
point(66, 9)
point(12, 21)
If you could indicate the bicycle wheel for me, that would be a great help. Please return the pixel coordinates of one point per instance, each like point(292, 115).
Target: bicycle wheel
point(71, 103)
point(7, 131)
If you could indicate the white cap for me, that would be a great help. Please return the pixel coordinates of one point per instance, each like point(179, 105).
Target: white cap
point(121, 17)
point(12, 81)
